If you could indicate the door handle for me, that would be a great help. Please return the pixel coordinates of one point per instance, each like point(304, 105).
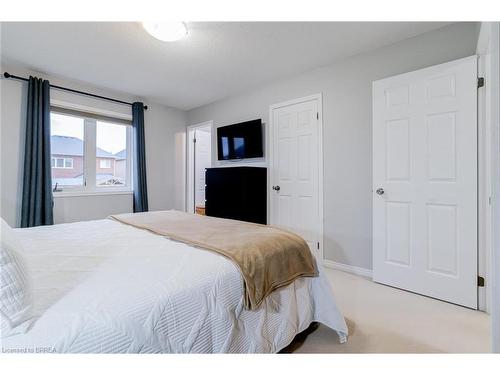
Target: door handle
point(380, 191)
point(277, 188)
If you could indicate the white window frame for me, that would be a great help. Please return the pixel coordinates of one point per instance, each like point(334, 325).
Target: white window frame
point(89, 186)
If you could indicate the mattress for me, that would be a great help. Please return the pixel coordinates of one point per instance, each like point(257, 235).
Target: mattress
point(106, 287)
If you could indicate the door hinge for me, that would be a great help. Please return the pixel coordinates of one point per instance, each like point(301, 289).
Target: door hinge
point(317, 115)
point(318, 245)
point(194, 140)
point(480, 281)
point(480, 82)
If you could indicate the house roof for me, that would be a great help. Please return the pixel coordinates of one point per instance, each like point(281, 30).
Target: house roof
point(121, 154)
point(62, 145)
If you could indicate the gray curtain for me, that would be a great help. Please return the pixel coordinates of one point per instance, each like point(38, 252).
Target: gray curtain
point(139, 159)
point(37, 201)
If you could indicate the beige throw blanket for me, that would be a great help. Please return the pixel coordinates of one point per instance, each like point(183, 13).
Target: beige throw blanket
point(267, 257)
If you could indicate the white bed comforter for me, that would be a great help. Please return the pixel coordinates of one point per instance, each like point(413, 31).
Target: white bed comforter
point(102, 286)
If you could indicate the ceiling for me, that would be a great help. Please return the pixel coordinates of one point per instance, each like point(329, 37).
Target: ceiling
point(217, 60)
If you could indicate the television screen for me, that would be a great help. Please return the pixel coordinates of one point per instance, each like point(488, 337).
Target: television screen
point(240, 141)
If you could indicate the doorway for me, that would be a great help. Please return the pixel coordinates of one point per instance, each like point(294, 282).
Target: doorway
point(198, 159)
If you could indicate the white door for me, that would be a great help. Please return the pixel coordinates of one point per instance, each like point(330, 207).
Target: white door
point(295, 169)
point(425, 181)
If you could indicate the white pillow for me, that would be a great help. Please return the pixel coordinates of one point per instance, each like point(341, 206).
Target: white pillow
point(16, 301)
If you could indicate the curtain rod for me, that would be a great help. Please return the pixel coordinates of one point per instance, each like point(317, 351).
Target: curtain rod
point(8, 75)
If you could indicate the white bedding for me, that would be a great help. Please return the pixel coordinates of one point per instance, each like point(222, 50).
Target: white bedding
point(102, 286)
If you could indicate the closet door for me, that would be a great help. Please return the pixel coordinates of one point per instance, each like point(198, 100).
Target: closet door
point(425, 181)
point(295, 194)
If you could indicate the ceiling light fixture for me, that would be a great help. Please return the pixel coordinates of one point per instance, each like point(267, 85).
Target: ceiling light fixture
point(166, 31)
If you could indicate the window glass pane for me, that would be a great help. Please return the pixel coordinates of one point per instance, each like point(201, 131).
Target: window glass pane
point(66, 143)
point(111, 154)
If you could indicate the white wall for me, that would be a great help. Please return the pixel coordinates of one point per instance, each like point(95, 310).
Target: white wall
point(91, 207)
point(346, 88)
point(164, 131)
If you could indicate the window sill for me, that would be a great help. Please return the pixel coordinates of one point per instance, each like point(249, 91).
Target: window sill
point(63, 194)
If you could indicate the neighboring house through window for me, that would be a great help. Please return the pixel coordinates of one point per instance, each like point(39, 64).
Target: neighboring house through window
point(74, 167)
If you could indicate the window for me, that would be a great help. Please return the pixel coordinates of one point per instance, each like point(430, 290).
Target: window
point(89, 153)
point(111, 151)
point(67, 144)
point(104, 163)
point(60, 163)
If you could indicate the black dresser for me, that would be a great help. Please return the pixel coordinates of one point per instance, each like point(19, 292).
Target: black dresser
point(238, 193)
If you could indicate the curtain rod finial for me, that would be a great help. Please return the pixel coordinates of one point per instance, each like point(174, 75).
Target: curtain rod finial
point(6, 75)
point(145, 107)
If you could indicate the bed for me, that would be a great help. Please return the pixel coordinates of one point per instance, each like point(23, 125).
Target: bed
point(106, 287)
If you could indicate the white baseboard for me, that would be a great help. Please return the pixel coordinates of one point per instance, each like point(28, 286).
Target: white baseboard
point(347, 268)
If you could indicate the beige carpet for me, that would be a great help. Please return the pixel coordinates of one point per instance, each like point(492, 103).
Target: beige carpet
point(382, 319)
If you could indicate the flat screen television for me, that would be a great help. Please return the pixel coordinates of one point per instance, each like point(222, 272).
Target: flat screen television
point(240, 141)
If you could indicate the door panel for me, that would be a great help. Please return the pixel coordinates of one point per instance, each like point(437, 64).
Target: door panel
point(295, 169)
point(398, 233)
point(442, 239)
point(425, 160)
point(441, 146)
point(398, 150)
